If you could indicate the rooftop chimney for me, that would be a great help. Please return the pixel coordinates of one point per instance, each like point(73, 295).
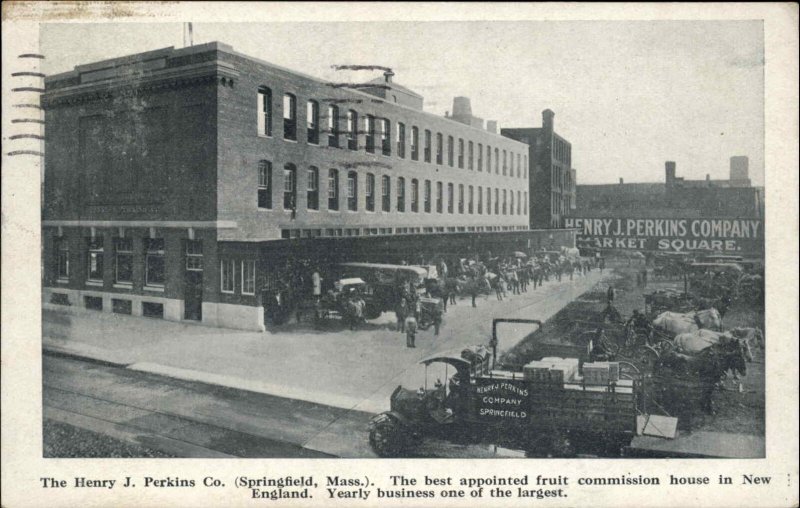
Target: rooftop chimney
point(621, 181)
point(387, 76)
point(547, 119)
point(491, 126)
point(669, 168)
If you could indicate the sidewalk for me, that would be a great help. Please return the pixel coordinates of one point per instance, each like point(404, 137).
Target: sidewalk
point(348, 369)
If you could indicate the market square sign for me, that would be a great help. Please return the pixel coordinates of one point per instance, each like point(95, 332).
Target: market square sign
point(743, 236)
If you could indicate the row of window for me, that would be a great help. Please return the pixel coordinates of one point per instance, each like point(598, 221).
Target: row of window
point(339, 232)
point(506, 201)
point(246, 276)
point(378, 137)
point(154, 265)
point(123, 256)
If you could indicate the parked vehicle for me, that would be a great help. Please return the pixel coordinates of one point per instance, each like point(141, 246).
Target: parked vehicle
point(480, 404)
point(383, 283)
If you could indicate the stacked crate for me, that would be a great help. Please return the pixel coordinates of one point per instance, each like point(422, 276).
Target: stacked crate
point(600, 373)
point(551, 370)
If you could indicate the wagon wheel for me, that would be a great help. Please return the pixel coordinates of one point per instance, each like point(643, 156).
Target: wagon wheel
point(627, 370)
point(646, 357)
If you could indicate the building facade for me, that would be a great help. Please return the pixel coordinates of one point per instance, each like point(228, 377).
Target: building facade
point(676, 196)
point(552, 179)
point(176, 180)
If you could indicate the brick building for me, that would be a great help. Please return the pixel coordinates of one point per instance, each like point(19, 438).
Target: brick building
point(553, 179)
point(178, 182)
point(676, 196)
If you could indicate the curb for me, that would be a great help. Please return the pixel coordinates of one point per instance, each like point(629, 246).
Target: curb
point(60, 353)
point(237, 383)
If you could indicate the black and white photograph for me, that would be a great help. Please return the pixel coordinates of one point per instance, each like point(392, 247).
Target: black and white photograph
point(404, 239)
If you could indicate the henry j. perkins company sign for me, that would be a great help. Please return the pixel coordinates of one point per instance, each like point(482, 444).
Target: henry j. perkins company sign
point(743, 236)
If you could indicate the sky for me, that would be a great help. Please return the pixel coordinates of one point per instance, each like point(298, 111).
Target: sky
point(628, 95)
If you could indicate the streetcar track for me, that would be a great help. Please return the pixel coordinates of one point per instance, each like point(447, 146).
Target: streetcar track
point(166, 414)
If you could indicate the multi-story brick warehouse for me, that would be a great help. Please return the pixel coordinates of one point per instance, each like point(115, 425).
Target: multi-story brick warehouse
point(552, 177)
point(178, 181)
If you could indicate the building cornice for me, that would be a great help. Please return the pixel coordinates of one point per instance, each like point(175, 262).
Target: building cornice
point(143, 83)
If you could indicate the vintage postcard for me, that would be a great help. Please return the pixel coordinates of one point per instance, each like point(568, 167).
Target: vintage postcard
point(466, 254)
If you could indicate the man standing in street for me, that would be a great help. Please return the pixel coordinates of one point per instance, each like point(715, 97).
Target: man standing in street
point(411, 324)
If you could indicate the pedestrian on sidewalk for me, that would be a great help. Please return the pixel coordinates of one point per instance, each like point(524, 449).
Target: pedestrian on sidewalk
point(411, 327)
point(644, 277)
point(400, 312)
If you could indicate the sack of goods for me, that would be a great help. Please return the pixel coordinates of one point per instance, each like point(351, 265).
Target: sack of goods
point(551, 369)
point(601, 373)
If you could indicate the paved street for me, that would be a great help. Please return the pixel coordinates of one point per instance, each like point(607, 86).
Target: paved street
point(348, 369)
point(188, 419)
point(194, 420)
point(199, 391)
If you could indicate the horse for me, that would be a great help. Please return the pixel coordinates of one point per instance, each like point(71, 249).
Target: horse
point(676, 322)
point(709, 367)
point(692, 343)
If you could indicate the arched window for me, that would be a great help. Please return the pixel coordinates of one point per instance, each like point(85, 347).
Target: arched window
point(439, 197)
point(333, 126)
point(264, 111)
point(427, 196)
point(312, 121)
point(461, 198)
point(450, 151)
point(312, 186)
point(427, 145)
point(369, 128)
point(352, 130)
point(289, 117)
point(414, 143)
point(352, 191)
point(401, 194)
point(386, 137)
point(470, 203)
point(370, 193)
point(264, 184)
point(289, 187)
point(333, 189)
point(450, 198)
point(386, 193)
point(415, 195)
point(439, 148)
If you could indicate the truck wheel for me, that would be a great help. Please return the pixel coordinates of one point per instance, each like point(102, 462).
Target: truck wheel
point(387, 437)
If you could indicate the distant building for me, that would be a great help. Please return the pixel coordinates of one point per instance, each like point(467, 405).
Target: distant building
point(552, 179)
point(676, 197)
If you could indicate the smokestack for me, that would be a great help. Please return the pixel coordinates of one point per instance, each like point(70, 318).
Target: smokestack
point(621, 181)
point(669, 168)
point(387, 76)
point(739, 167)
point(187, 35)
point(547, 119)
point(491, 126)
